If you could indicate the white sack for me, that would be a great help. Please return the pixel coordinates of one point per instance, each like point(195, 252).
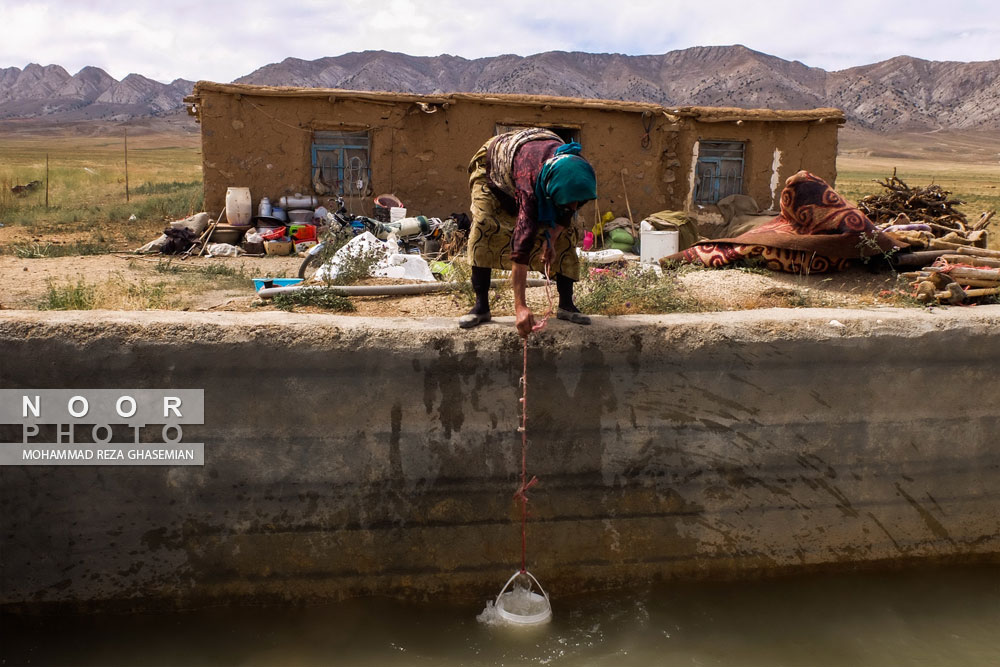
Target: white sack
point(388, 264)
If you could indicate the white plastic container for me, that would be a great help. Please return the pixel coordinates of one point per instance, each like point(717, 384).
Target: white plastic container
point(238, 206)
point(656, 244)
point(396, 213)
point(298, 200)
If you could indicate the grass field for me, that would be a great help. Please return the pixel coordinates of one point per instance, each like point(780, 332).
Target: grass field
point(976, 185)
point(86, 178)
point(964, 163)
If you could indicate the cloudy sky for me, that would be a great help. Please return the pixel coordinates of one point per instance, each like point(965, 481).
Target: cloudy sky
point(221, 41)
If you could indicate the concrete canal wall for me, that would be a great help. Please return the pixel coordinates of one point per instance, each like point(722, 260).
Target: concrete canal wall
point(350, 457)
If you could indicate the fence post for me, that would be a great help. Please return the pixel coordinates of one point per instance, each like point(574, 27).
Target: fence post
point(126, 164)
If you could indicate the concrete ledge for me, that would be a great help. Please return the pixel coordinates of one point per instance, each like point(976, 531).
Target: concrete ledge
point(349, 457)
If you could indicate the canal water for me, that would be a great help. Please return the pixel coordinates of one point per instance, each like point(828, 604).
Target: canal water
point(928, 617)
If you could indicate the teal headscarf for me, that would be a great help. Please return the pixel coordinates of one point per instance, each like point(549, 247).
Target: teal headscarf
point(566, 177)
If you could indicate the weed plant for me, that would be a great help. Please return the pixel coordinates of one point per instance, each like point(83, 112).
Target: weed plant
point(314, 296)
point(616, 290)
point(752, 264)
point(115, 293)
point(872, 253)
point(72, 296)
point(207, 276)
point(356, 266)
point(37, 250)
point(333, 240)
point(461, 275)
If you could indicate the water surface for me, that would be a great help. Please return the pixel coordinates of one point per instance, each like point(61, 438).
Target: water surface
point(933, 618)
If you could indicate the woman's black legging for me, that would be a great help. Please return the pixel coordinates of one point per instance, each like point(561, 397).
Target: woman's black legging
point(481, 286)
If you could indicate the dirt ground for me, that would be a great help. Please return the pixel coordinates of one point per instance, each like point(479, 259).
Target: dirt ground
point(200, 283)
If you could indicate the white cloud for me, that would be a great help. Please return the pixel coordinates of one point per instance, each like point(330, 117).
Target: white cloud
point(225, 40)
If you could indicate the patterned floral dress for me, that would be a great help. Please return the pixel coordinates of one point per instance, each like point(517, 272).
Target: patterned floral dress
point(505, 226)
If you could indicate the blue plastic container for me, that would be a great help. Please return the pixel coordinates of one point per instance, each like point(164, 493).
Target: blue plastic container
point(261, 283)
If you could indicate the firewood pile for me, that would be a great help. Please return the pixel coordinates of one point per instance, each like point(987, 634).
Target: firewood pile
point(948, 253)
point(958, 276)
point(930, 203)
point(921, 215)
point(953, 270)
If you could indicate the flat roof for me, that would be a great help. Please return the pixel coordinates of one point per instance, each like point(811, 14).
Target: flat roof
point(704, 114)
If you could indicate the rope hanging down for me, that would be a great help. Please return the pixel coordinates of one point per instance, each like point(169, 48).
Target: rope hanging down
point(522, 491)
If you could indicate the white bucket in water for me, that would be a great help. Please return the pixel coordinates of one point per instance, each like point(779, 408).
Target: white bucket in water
point(655, 244)
point(517, 605)
point(238, 210)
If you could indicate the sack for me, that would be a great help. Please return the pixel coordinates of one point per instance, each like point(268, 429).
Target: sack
point(685, 225)
point(179, 239)
point(621, 237)
point(197, 223)
point(223, 250)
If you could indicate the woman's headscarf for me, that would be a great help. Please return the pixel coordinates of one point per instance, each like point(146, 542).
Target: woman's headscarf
point(566, 177)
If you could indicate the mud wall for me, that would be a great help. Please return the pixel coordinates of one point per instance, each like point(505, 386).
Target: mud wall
point(263, 142)
point(351, 458)
point(800, 145)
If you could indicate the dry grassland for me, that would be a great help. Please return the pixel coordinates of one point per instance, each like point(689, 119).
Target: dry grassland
point(965, 163)
point(86, 173)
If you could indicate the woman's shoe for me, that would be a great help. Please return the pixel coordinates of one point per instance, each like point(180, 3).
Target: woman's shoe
point(470, 320)
point(576, 317)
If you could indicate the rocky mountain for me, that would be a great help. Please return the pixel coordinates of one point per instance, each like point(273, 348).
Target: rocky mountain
point(902, 93)
point(51, 92)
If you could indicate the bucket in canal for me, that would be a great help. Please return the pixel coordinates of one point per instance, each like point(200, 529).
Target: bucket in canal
point(519, 605)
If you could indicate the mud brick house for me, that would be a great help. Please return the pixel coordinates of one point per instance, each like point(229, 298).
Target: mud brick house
point(327, 142)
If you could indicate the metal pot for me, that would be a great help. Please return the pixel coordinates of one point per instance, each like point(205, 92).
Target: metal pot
point(300, 215)
point(267, 222)
point(231, 234)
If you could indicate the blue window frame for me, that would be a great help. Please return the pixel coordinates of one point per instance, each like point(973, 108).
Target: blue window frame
point(720, 170)
point(341, 163)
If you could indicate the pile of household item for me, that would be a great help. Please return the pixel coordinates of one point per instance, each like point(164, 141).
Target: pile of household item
point(179, 237)
point(291, 225)
point(658, 235)
point(296, 223)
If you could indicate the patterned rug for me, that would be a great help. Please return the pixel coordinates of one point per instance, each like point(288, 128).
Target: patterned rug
point(817, 231)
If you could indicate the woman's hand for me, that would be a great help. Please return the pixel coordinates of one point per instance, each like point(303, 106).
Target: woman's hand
point(548, 254)
point(524, 320)
point(549, 246)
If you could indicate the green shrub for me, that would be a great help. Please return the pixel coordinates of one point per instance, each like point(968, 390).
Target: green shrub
point(617, 290)
point(78, 296)
point(320, 298)
point(115, 293)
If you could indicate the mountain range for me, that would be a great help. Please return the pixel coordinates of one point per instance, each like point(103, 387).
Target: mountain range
point(49, 91)
point(900, 94)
